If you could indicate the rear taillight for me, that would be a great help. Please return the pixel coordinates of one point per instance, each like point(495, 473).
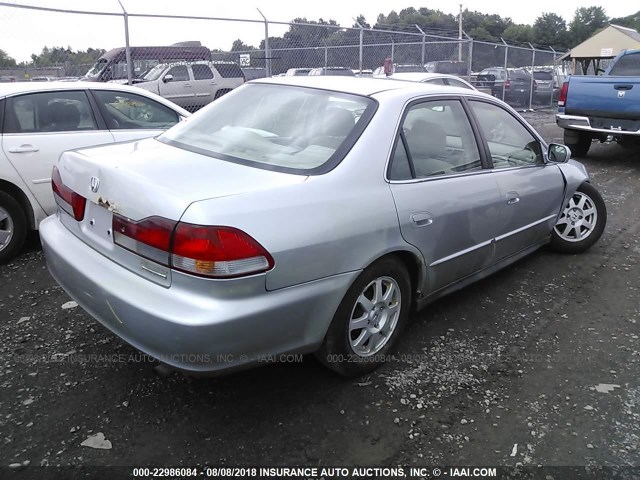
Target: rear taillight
point(507, 84)
point(564, 91)
point(149, 238)
point(217, 251)
point(67, 199)
point(207, 251)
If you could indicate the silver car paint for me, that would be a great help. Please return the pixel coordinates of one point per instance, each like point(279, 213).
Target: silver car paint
point(322, 231)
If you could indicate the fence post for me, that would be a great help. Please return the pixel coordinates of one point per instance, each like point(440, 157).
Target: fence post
point(126, 44)
point(554, 76)
point(506, 55)
point(470, 58)
point(393, 47)
point(267, 52)
point(361, 45)
point(533, 64)
point(424, 43)
point(326, 55)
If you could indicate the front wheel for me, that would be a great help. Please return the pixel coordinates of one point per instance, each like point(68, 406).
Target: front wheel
point(369, 320)
point(582, 221)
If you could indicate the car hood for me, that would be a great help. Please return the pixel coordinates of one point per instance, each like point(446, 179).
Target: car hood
point(147, 177)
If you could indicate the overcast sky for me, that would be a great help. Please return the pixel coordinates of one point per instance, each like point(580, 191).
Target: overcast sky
point(25, 32)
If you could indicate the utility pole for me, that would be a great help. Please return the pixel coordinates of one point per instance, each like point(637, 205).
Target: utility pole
point(460, 35)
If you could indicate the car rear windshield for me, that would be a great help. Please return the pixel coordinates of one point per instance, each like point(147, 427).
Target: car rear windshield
point(542, 75)
point(229, 70)
point(277, 127)
point(520, 75)
point(627, 66)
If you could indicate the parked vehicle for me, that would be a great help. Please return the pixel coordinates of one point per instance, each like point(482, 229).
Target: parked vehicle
point(113, 64)
point(251, 73)
point(451, 67)
point(302, 214)
point(192, 85)
point(334, 71)
point(401, 68)
point(433, 78)
point(602, 107)
point(543, 86)
point(39, 121)
point(298, 72)
point(511, 85)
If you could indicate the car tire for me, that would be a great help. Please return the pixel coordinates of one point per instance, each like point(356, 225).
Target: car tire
point(578, 142)
point(13, 227)
point(582, 221)
point(369, 320)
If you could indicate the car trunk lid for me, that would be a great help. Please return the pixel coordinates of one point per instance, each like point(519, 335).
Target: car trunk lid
point(143, 179)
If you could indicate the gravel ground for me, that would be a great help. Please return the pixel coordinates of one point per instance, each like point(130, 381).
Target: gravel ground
point(536, 365)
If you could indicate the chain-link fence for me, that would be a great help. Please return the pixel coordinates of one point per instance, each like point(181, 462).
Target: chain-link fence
point(521, 75)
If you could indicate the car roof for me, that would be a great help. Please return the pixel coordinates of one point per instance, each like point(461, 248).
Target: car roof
point(366, 86)
point(15, 88)
point(420, 76)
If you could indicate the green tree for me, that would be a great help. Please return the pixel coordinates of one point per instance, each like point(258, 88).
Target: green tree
point(6, 60)
point(631, 21)
point(550, 29)
point(586, 22)
point(519, 33)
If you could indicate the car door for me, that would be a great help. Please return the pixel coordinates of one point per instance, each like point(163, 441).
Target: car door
point(531, 191)
point(130, 116)
point(448, 204)
point(178, 87)
point(38, 127)
point(204, 84)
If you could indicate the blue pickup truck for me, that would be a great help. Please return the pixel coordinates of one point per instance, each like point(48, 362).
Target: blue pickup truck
point(603, 107)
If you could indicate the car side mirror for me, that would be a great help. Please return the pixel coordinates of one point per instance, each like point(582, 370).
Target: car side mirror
point(168, 78)
point(559, 153)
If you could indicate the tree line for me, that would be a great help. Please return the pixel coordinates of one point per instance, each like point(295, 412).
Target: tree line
point(549, 29)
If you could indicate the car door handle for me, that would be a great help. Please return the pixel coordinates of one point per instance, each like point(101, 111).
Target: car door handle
point(187, 84)
point(422, 219)
point(213, 83)
point(24, 149)
point(512, 198)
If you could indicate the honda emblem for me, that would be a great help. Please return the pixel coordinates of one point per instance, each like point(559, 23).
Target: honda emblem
point(95, 184)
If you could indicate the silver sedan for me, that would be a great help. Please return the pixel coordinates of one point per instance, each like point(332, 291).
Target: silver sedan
point(304, 214)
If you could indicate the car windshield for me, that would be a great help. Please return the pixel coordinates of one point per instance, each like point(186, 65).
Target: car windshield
point(154, 73)
point(276, 127)
point(97, 67)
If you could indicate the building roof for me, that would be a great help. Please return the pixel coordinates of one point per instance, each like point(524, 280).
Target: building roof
point(606, 43)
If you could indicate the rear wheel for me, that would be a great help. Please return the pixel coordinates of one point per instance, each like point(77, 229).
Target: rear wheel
point(582, 221)
point(13, 227)
point(578, 142)
point(369, 320)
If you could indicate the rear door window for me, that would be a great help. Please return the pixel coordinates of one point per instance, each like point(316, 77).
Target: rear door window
point(627, 66)
point(49, 112)
point(201, 72)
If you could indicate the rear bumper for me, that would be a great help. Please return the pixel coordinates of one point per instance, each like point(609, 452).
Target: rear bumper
point(576, 122)
point(222, 327)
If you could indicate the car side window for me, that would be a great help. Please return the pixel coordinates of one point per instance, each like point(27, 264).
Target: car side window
point(438, 140)
point(510, 143)
point(68, 111)
point(180, 73)
point(456, 83)
point(126, 111)
point(201, 72)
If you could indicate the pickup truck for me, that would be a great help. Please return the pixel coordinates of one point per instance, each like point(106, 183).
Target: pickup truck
point(602, 107)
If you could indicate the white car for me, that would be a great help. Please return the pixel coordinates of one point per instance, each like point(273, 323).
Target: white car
point(432, 78)
point(40, 120)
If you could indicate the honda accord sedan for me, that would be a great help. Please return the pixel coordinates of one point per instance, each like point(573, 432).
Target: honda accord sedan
point(302, 214)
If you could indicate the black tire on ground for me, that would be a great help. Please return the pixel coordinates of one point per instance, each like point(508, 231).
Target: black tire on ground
point(585, 204)
point(336, 352)
point(578, 142)
point(14, 220)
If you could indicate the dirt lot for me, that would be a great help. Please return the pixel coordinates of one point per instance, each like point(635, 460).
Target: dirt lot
point(536, 365)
